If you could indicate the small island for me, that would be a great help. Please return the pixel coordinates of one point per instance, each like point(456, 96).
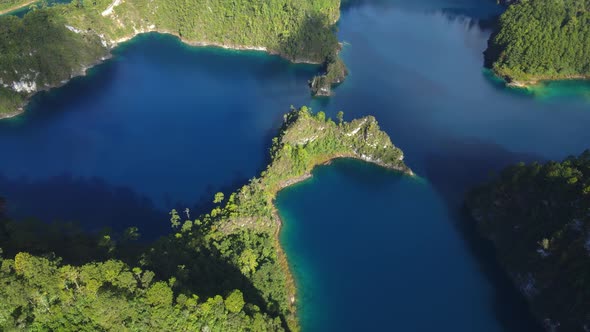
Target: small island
point(51, 45)
point(334, 74)
point(231, 257)
point(541, 40)
point(536, 216)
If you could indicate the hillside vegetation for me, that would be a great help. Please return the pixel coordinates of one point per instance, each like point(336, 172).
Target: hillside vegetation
point(55, 277)
point(52, 44)
point(10, 5)
point(542, 40)
point(537, 217)
point(40, 294)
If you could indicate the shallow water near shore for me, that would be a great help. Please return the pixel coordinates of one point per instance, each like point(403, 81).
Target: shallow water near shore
point(164, 125)
point(381, 251)
point(397, 254)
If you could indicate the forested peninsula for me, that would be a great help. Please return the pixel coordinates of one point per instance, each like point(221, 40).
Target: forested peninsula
point(536, 216)
point(50, 45)
point(539, 40)
point(221, 271)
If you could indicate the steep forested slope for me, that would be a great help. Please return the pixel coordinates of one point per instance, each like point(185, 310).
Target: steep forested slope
point(50, 45)
point(537, 217)
point(542, 40)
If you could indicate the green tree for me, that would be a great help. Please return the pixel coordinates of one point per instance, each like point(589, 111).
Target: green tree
point(542, 40)
point(234, 302)
point(159, 295)
point(174, 218)
point(218, 198)
point(321, 116)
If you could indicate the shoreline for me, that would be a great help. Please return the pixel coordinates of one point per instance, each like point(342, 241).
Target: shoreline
point(197, 43)
point(282, 255)
point(10, 115)
point(117, 43)
point(17, 7)
point(83, 72)
point(254, 206)
point(531, 83)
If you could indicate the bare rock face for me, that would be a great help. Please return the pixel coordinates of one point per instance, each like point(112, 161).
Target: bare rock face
point(320, 86)
point(335, 73)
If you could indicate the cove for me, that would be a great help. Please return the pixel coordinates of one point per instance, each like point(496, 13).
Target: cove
point(161, 125)
point(164, 125)
point(381, 252)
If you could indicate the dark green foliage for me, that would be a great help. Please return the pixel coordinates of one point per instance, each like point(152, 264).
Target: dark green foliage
point(537, 217)
point(230, 255)
point(542, 39)
point(10, 5)
point(299, 30)
point(41, 295)
point(51, 45)
point(39, 51)
point(10, 101)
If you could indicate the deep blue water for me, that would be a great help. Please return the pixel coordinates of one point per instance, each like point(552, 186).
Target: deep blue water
point(164, 125)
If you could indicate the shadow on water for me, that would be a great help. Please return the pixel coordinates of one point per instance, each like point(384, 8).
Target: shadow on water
point(452, 174)
point(462, 163)
point(66, 217)
point(509, 305)
point(92, 202)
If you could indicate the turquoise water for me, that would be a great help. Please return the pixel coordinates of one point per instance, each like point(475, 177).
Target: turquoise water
point(24, 10)
point(382, 251)
point(163, 125)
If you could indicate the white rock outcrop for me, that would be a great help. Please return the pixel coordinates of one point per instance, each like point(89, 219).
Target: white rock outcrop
point(24, 86)
point(72, 29)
